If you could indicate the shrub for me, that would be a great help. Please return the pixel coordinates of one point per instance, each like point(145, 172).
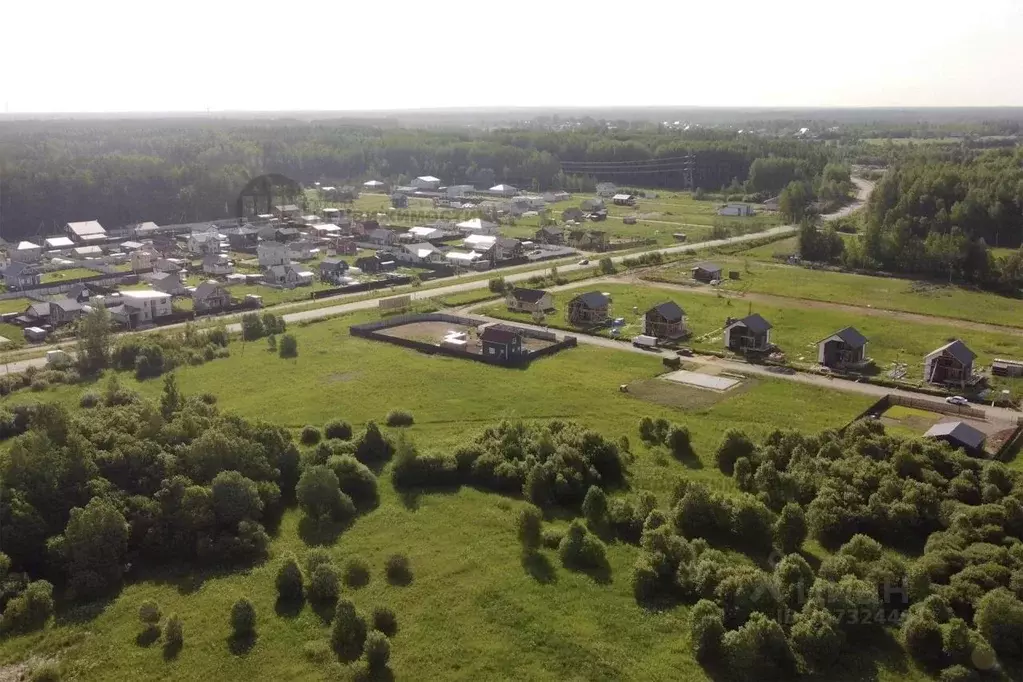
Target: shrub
point(552, 538)
point(647, 432)
point(707, 633)
point(496, 285)
point(385, 621)
point(243, 617)
point(678, 441)
point(149, 613)
point(399, 418)
point(355, 480)
point(734, 445)
point(320, 497)
point(252, 327)
point(581, 550)
point(47, 671)
point(958, 673)
point(377, 650)
point(398, 569)
point(289, 579)
point(758, 650)
point(271, 343)
point(818, 638)
point(348, 631)
point(372, 446)
point(790, 528)
point(30, 610)
point(310, 435)
point(89, 399)
point(288, 346)
point(173, 631)
point(339, 429)
point(595, 506)
point(39, 385)
point(530, 528)
point(356, 572)
point(324, 584)
point(999, 618)
point(314, 558)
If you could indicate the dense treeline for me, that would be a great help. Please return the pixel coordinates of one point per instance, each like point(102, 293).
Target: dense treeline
point(178, 171)
point(871, 498)
point(939, 218)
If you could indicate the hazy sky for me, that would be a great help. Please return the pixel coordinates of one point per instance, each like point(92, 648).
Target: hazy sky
point(112, 55)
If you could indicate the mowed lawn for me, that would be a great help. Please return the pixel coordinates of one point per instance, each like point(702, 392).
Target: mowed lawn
point(796, 330)
point(65, 275)
point(472, 611)
point(889, 293)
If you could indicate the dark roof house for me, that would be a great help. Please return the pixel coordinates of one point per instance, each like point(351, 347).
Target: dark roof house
point(750, 334)
point(665, 321)
point(958, 434)
point(706, 272)
point(589, 308)
point(950, 364)
point(843, 348)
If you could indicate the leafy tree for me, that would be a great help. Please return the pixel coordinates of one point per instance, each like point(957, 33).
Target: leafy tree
point(999, 619)
point(817, 638)
point(752, 523)
point(399, 418)
point(734, 444)
point(398, 569)
point(30, 610)
point(289, 579)
point(497, 285)
point(377, 650)
point(372, 446)
point(595, 506)
point(356, 572)
point(758, 649)
point(607, 266)
point(385, 621)
point(530, 527)
point(355, 480)
point(235, 498)
point(348, 631)
point(793, 579)
point(94, 545)
point(790, 528)
point(173, 632)
point(288, 346)
point(320, 497)
point(794, 201)
point(580, 550)
point(94, 340)
point(338, 429)
point(252, 327)
point(243, 618)
point(679, 442)
point(149, 613)
point(171, 400)
point(310, 435)
point(324, 584)
point(922, 637)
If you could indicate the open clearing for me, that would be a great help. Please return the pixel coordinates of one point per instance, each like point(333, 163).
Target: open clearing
point(472, 609)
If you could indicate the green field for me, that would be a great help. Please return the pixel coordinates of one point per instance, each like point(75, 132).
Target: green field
point(65, 275)
point(796, 330)
point(14, 305)
point(888, 293)
point(472, 609)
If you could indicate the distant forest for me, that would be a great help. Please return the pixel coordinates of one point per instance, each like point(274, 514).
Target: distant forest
point(170, 171)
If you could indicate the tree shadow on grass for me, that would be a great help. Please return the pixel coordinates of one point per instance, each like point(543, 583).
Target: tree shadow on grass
point(83, 613)
point(239, 644)
point(409, 495)
point(365, 674)
point(320, 532)
point(599, 573)
point(867, 651)
point(171, 650)
point(288, 608)
point(148, 636)
point(689, 459)
point(539, 568)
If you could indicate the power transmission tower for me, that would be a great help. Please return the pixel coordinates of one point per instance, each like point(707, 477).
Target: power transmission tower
point(689, 171)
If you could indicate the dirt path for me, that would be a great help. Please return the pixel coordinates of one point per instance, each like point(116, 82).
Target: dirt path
point(786, 301)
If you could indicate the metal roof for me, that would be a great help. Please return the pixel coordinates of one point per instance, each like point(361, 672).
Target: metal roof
point(592, 299)
point(708, 266)
point(86, 227)
point(851, 336)
point(755, 323)
point(958, 350)
point(959, 431)
point(669, 310)
point(528, 295)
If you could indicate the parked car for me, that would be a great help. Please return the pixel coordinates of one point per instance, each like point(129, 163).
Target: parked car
point(644, 341)
point(584, 261)
point(957, 400)
point(688, 352)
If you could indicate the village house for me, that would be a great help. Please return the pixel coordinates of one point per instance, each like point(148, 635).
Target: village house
point(325, 231)
point(35, 313)
point(303, 250)
point(204, 243)
point(476, 226)
point(556, 197)
point(58, 243)
point(64, 311)
point(950, 365)
point(419, 253)
point(382, 237)
point(591, 205)
point(143, 259)
point(463, 259)
point(92, 251)
point(21, 275)
point(210, 296)
point(217, 265)
point(590, 308)
point(736, 210)
point(168, 283)
point(272, 253)
point(506, 247)
point(374, 186)
point(166, 265)
point(750, 334)
point(458, 191)
point(624, 200)
point(588, 240)
point(426, 234)
point(139, 308)
point(706, 272)
point(85, 232)
point(332, 270)
point(529, 300)
point(286, 212)
point(27, 252)
point(330, 213)
point(244, 238)
point(426, 182)
point(845, 348)
point(572, 215)
point(378, 262)
point(549, 235)
point(503, 190)
point(344, 246)
point(287, 276)
point(501, 343)
point(606, 189)
point(958, 434)
point(665, 321)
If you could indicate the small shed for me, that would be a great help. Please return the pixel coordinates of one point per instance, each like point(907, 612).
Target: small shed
point(958, 434)
point(665, 320)
point(706, 272)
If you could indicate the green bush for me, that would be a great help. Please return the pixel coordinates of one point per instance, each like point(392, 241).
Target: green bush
point(581, 550)
point(530, 527)
point(552, 538)
point(377, 650)
point(48, 671)
point(398, 569)
point(173, 631)
point(385, 621)
point(355, 480)
point(595, 506)
point(89, 399)
point(348, 631)
point(243, 617)
point(315, 557)
point(30, 610)
point(288, 346)
point(149, 613)
point(356, 572)
point(339, 429)
point(958, 673)
point(289, 579)
point(310, 435)
point(324, 584)
point(399, 418)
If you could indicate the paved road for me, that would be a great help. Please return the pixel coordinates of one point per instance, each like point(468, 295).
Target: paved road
point(737, 367)
point(863, 190)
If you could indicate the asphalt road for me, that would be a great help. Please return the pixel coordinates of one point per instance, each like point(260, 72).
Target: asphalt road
point(864, 188)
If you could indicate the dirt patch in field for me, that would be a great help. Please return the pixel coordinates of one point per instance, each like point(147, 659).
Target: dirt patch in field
point(341, 377)
point(679, 396)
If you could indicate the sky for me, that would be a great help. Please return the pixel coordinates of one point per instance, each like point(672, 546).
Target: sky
point(223, 55)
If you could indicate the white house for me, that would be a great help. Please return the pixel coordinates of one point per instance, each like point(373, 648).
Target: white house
point(88, 251)
point(606, 189)
point(272, 253)
point(287, 276)
point(202, 243)
point(302, 250)
point(426, 182)
point(504, 190)
point(217, 265)
point(462, 258)
point(27, 252)
point(480, 242)
point(374, 186)
point(143, 259)
point(86, 231)
point(327, 230)
point(419, 253)
point(58, 243)
point(457, 191)
point(476, 225)
point(424, 234)
point(142, 307)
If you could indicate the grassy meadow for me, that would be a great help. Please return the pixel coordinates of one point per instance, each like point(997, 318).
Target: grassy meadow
point(888, 293)
point(796, 329)
point(473, 610)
